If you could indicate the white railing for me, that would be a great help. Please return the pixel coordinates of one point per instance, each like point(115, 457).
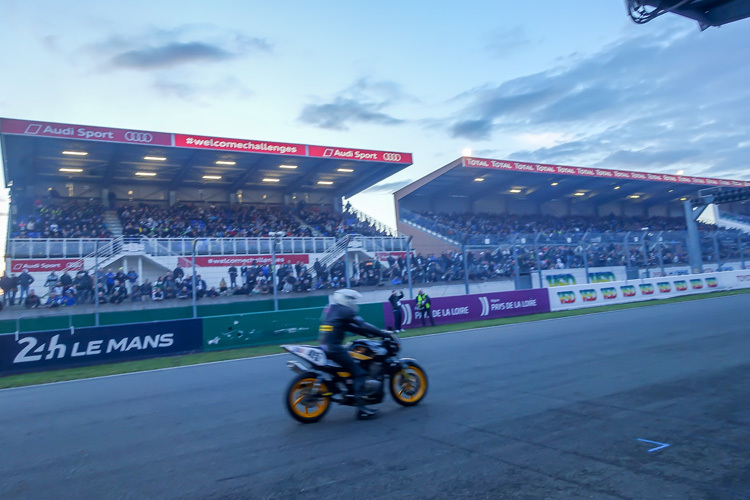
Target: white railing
point(164, 247)
point(55, 248)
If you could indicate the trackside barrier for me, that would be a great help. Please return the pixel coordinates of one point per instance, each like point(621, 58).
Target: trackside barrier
point(32, 323)
point(622, 292)
point(72, 347)
point(577, 276)
point(272, 328)
point(447, 310)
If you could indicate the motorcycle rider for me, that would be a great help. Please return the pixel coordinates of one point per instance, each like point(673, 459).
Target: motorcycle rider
point(339, 317)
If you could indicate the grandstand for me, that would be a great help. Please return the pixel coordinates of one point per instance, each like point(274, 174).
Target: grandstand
point(125, 216)
point(518, 217)
point(95, 202)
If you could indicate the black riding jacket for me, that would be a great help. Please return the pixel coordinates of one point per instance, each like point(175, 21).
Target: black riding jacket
point(337, 320)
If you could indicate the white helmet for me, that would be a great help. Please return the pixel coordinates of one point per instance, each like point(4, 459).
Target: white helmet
point(347, 298)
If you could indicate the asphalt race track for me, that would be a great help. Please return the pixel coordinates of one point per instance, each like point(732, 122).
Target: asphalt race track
point(551, 409)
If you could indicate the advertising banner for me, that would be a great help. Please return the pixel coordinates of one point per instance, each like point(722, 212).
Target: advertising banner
point(244, 260)
point(359, 154)
point(45, 265)
point(597, 172)
point(240, 145)
point(56, 349)
point(567, 277)
point(600, 294)
point(447, 310)
point(84, 132)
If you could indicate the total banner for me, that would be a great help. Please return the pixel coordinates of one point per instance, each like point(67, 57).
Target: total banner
point(447, 310)
point(56, 349)
point(619, 292)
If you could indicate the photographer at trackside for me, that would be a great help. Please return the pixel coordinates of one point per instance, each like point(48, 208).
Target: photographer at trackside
point(339, 317)
point(424, 306)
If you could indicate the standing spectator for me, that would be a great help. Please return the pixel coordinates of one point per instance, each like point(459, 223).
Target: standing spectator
point(200, 287)
point(395, 300)
point(24, 280)
point(83, 286)
point(424, 306)
point(178, 273)
point(32, 300)
point(232, 277)
point(132, 277)
point(51, 281)
point(8, 283)
point(66, 280)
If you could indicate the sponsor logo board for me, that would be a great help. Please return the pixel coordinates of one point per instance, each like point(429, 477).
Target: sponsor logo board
point(447, 310)
point(628, 290)
point(45, 265)
point(85, 132)
point(646, 288)
point(239, 145)
point(591, 172)
point(609, 293)
point(588, 295)
point(680, 285)
point(244, 260)
point(359, 154)
point(664, 287)
point(57, 349)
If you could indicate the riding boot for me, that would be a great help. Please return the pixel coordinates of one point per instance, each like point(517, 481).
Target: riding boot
point(363, 412)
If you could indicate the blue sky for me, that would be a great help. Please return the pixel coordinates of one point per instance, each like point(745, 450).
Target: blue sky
point(574, 83)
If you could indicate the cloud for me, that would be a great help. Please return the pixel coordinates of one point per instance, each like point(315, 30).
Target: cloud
point(507, 41)
point(180, 46)
point(363, 102)
point(168, 55)
point(663, 97)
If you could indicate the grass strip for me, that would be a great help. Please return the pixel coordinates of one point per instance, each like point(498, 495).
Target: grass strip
point(249, 352)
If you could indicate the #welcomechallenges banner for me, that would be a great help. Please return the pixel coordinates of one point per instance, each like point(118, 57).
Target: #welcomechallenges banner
point(447, 310)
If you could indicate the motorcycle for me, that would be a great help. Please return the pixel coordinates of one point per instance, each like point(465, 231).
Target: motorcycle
point(323, 382)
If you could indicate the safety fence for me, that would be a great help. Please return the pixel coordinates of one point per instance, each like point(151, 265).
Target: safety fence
point(73, 345)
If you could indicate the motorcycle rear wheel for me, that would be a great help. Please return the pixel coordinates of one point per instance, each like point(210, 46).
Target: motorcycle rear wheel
point(302, 404)
point(409, 385)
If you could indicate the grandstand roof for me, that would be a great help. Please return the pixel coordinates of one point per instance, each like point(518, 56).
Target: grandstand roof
point(36, 151)
point(480, 178)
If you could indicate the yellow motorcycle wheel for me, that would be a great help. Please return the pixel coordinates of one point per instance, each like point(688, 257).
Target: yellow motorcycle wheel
point(409, 385)
point(304, 405)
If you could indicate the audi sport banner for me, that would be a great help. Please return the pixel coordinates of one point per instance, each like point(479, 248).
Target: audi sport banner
point(359, 154)
point(446, 310)
point(596, 172)
point(45, 265)
point(62, 130)
point(37, 351)
point(243, 260)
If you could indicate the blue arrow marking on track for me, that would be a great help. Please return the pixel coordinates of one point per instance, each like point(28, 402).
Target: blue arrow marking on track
point(661, 445)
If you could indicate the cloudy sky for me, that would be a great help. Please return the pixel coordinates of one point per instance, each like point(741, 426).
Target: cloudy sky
point(573, 83)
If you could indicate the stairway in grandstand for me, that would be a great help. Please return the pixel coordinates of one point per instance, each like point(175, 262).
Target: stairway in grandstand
point(113, 222)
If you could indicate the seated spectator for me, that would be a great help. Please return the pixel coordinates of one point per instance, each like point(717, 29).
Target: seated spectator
point(243, 290)
point(32, 300)
point(158, 294)
point(212, 292)
point(101, 297)
point(183, 293)
point(222, 286)
point(53, 300)
point(69, 299)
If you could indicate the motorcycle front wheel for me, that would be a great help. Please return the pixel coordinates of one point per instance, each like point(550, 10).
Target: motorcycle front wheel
point(304, 403)
point(409, 385)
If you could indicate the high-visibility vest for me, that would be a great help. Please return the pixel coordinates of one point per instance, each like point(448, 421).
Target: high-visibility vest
point(422, 298)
